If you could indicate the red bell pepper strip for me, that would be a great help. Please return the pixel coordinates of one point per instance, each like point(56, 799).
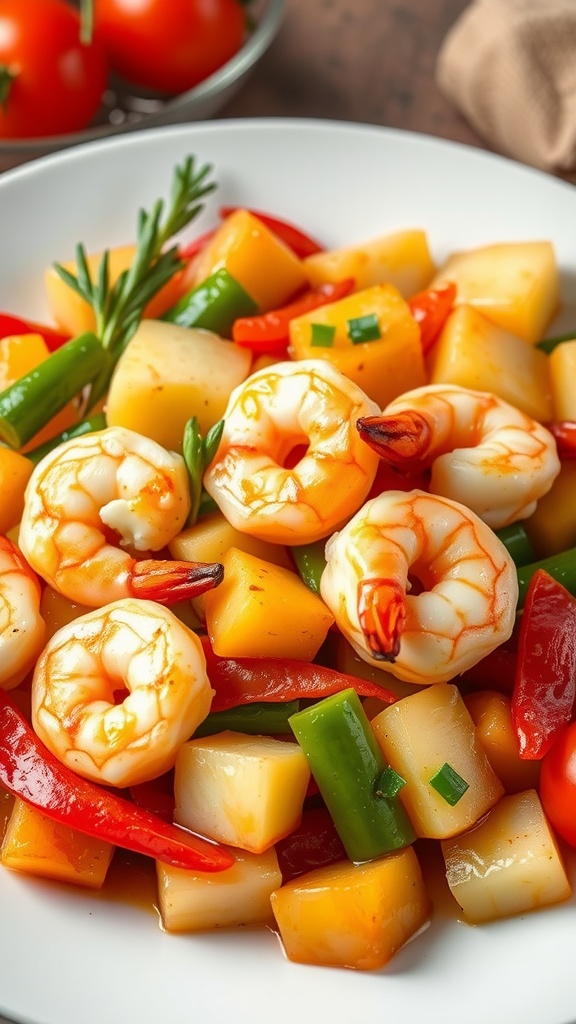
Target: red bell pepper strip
point(545, 684)
point(29, 771)
point(156, 796)
point(565, 434)
point(270, 332)
point(314, 844)
point(240, 681)
point(430, 310)
point(15, 325)
point(302, 245)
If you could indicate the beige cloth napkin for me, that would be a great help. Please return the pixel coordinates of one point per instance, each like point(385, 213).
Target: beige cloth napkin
point(509, 66)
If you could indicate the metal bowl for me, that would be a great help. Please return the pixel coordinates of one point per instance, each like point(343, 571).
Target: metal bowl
point(125, 109)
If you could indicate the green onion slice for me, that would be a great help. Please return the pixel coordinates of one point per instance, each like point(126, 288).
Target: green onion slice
point(389, 784)
point(364, 328)
point(322, 335)
point(449, 784)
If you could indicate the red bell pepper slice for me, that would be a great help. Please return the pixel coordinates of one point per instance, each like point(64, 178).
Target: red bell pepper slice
point(240, 681)
point(430, 310)
point(270, 332)
point(29, 771)
point(565, 434)
point(15, 325)
point(545, 684)
point(302, 245)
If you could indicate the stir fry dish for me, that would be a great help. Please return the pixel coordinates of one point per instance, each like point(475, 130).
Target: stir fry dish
point(288, 579)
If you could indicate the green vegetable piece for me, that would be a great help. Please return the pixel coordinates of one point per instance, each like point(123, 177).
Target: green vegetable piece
point(310, 562)
point(262, 718)
point(214, 305)
point(347, 764)
point(322, 335)
point(390, 783)
point(364, 328)
point(449, 784)
point(88, 426)
point(517, 543)
point(198, 452)
point(30, 402)
point(562, 567)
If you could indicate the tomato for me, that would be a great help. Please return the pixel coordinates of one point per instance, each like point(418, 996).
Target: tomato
point(558, 784)
point(169, 45)
point(50, 82)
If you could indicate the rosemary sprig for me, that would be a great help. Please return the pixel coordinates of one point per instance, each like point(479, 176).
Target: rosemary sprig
point(118, 308)
point(198, 453)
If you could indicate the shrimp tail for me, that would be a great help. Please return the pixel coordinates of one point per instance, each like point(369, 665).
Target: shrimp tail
point(403, 440)
point(168, 582)
point(381, 613)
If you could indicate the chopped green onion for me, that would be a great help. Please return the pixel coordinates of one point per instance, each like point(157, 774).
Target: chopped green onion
point(364, 328)
point(449, 784)
point(389, 784)
point(322, 335)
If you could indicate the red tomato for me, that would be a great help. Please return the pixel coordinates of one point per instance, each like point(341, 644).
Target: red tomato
point(50, 82)
point(558, 784)
point(169, 45)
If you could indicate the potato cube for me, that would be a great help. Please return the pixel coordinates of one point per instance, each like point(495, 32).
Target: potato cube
point(352, 915)
point(552, 527)
point(563, 380)
point(491, 713)
point(402, 259)
point(169, 373)
point(514, 284)
point(36, 845)
point(242, 790)
point(509, 864)
point(419, 736)
point(191, 901)
point(263, 610)
point(474, 353)
point(383, 367)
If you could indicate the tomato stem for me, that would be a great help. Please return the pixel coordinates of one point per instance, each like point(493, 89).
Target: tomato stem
point(6, 78)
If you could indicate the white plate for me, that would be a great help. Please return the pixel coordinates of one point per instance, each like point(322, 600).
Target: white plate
point(70, 959)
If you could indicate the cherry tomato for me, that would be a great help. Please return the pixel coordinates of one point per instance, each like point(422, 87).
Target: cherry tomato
point(558, 784)
point(50, 82)
point(169, 45)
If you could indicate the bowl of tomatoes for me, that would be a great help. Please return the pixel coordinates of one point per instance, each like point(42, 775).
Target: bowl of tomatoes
point(73, 71)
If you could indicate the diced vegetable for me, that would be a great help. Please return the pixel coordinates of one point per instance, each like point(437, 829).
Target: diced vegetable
point(491, 713)
point(562, 361)
point(15, 470)
point(402, 259)
point(245, 791)
point(213, 305)
point(509, 864)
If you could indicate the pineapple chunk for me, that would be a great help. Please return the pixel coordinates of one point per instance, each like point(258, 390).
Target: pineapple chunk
point(514, 284)
point(508, 864)
point(15, 470)
point(242, 790)
point(552, 527)
point(563, 379)
point(474, 353)
point(384, 367)
point(491, 713)
point(402, 259)
point(263, 610)
point(168, 374)
point(352, 915)
point(36, 845)
point(255, 257)
point(418, 736)
point(191, 901)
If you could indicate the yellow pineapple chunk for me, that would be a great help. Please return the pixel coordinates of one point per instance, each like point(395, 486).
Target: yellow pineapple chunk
point(192, 901)
point(242, 790)
point(491, 713)
point(36, 845)
point(563, 379)
point(514, 284)
point(402, 259)
point(552, 527)
point(384, 367)
point(352, 915)
point(509, 864)
point(255, 257)
point(422, 734)
point(475, 353)
point(168, 374)
point(264, 610)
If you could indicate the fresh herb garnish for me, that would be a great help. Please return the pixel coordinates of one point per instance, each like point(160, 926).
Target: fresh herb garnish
point(198, 453)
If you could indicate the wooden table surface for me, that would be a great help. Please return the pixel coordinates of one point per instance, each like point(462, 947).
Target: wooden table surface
point(371, 61)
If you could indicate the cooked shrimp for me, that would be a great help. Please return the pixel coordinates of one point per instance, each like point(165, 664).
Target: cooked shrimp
point(118, 690)
point(113, 487)
point(464, 581)
point(295, 412)
point(481, 450)
point(22, 628)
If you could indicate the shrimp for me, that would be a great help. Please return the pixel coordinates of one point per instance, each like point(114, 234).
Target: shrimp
point(22, 629)
point(100, 490)
point(481, 450)
point(289, 467)
point(116, 691)
point(464, 581)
